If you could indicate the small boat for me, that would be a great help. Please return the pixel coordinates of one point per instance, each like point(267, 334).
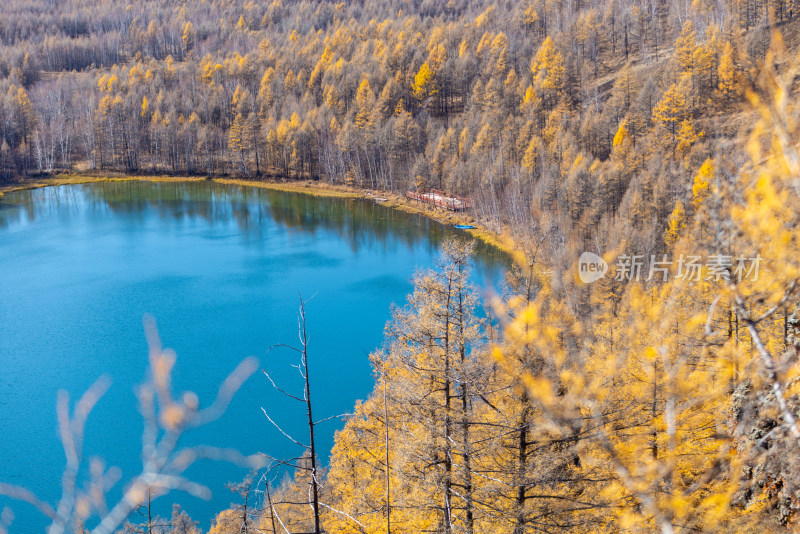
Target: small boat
point(464, 226)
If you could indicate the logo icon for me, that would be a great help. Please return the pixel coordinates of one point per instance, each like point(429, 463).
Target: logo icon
point(591, 267)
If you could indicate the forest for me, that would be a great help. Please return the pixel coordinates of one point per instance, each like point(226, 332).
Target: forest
point(653, 134)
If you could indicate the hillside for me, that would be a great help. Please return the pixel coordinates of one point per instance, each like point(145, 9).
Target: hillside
point(661, 397)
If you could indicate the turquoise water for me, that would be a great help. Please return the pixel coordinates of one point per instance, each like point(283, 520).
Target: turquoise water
point(220, 268)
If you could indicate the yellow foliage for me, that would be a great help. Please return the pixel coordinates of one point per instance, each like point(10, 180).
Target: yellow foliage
point(677, 224)
point(463, 48)
point(671, 111)
point(700, 188)
point(530, 16)
point(686, 136)
point(529, 159)
point(424, 83)
point(484, 18)
point(685, 47)
point(437, 58)
point(239, 95)
point(188, 37)
point(621, 135)
point(225, 522)
point(365, 102)
point(726, 72)
point(547, 68)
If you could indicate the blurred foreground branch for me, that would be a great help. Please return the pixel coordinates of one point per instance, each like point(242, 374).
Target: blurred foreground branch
point(166, 418)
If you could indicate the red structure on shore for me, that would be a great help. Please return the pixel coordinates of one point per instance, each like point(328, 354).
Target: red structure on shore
point(439, 198)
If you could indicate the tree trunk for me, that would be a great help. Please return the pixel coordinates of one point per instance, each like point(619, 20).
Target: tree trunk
point(312, 446)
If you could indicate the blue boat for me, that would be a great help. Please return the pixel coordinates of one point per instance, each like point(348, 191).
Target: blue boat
point(464, 226)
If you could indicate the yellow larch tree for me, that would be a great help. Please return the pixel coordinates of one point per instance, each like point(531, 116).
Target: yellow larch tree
point(631, 404)
point(669, 407)
point(365, 102)
point(670, 113)
point(686, 136)
point(237, 138)
point(189, 36)
point(266, 96)
point(424, 86)
point(685, 47)
point(702, 182)
point(24, 113)
point(676, 224)
point(547, 68)
point(726, 74)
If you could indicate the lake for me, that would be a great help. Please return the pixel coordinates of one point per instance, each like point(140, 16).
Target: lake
point(220, 268)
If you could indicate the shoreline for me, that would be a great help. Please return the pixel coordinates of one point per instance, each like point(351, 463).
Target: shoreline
point(393, 200)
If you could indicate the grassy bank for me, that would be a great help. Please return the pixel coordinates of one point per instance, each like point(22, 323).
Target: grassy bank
point(306, 187)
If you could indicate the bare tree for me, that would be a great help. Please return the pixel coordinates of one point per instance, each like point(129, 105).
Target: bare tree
point(310, 448)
